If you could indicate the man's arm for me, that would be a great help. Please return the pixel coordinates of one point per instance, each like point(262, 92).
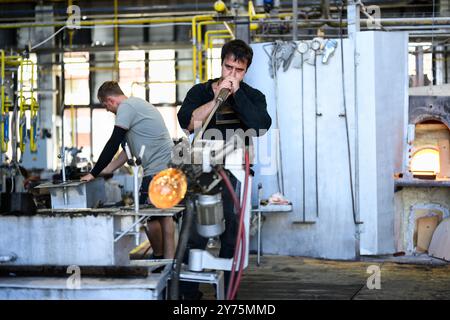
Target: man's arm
point(199, 115)
point(116, 163)
point(252, 110)
point(107, 154)
point(193, 111)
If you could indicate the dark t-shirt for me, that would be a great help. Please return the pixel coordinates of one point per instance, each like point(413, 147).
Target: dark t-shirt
point(247, 109)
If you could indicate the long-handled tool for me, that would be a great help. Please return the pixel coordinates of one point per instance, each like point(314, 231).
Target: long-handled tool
point(303, 48)
point(316, 47)
point(221, 97)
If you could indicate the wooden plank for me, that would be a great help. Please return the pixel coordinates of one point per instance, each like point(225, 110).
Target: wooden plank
point(425, 229)
point(440, 243)
point(444, 158)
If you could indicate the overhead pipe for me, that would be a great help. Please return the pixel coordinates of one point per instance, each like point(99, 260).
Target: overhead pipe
point(3, 143)
point(204, 48)
point(199, 42)
point(113, 22)
point(209, 42)
point(14, 61)
point(146, 83)
point(334, 22)
point(194, 42)
point(227, 26)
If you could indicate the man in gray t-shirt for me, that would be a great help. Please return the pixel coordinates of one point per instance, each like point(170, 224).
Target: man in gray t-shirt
point(145, 126)
point(139, 124)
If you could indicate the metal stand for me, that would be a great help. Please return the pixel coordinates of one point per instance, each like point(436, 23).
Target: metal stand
point(266, 209)
point(214, 277)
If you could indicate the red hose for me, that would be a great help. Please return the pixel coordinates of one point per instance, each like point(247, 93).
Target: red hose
point(242, 229)
point(238, 209)
point(225, 178)
point(240, 236)
point(237, 205)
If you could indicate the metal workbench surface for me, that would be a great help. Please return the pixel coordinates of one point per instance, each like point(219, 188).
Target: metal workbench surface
point(119, 211)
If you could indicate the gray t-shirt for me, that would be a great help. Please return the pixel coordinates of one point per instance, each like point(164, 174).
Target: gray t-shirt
point(145, 126)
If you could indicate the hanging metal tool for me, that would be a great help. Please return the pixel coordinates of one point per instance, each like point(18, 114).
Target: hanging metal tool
point(22, 125)
point(316, 45)
point(22, 118)
point(275, 59)
point(4, 115)
point(303, 48)
point(6, 104)
point(34, 108)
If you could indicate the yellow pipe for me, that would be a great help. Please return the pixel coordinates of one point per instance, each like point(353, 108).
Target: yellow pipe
point(210, 32)
point(101, 22)
point(33, 113)
point(12, 61)
point(22, 119)
point(102, 68)
point(144, 83)
point(207, 33)
point(207, 41)
point(199, 45)
point(252, 13)
point(2, 56)
point(33, 127)
point(140, 247)
point(194, 42)
point(211, 44)
point(227, 26)
point(192, 19)
point(4, 145)
point(33, 107)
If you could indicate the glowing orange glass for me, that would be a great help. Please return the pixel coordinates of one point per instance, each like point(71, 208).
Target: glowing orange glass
point(167, 188)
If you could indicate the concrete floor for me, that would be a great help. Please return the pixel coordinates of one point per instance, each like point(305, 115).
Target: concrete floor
point(295, 278)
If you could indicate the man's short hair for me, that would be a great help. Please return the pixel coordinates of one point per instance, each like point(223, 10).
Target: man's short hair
point(239, 49)
point(107, 89)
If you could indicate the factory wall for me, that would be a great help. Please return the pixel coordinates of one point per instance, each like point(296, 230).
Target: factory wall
point(382, 113)
point(333, 234)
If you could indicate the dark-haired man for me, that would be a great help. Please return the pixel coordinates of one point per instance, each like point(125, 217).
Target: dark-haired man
point(139, 123)
point(244, 109)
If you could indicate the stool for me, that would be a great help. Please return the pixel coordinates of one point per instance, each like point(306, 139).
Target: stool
point(216, 278)
point(211, 277)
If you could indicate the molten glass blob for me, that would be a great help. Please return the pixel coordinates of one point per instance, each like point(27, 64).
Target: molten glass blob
point(167, 188)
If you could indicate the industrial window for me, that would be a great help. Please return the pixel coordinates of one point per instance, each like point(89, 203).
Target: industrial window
point(162, 76)
point(76, 66)
point(214, 63)
point(132, 73)
point(77, 131)
point(169, 115)
point(427, 64)
point(102, 130)
point(425, 162)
